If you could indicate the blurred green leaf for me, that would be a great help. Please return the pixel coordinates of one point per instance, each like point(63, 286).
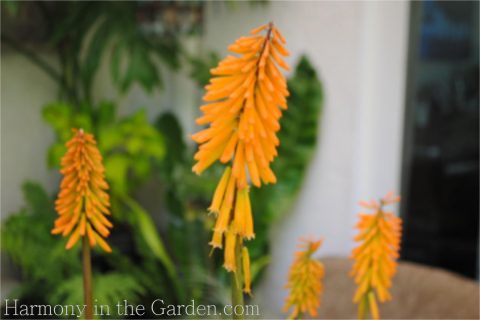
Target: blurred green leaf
point(37, 200)
point(55, 154)
point(58, 115)
point(146, 227)
point(94, 51)
point(141, 68)
point(11, 6)
point(116, 170)
point(168, 49)
point(258, 265)
point(62, 117)
point(105, 114)
point(148, 231)
point(171, 130)
point(200, 67)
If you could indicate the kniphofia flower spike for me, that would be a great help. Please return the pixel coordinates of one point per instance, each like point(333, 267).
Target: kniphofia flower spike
point(375, 257)
point(244, 102)
point(305, 281)
point(83, 202)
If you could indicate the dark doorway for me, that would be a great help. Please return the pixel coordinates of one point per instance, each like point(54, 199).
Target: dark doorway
point(440, 181)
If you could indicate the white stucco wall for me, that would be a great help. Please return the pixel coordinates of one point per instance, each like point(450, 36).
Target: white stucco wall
point(359, 50)
point(24, 135)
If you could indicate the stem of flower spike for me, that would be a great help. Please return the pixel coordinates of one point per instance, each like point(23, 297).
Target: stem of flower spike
point(237, 276)
point(87, 279)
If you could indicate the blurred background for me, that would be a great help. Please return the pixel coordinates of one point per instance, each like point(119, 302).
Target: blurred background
point(384, 97)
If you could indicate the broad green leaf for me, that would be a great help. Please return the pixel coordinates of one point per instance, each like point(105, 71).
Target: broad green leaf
point(11, 6)
point(146, 228)
point(94, 53)
point(58, 115)
point(116, 170)
point(109, 138)
point(200, 67)
point(135, 144)
point(170, 128)
point(37, 200)
point(55, 154)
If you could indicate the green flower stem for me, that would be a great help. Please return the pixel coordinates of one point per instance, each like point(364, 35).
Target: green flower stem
point(87, 278)
point(237, 276)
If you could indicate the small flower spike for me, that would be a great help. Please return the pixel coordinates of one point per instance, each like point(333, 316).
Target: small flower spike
point(83, 202)
point(305, 281)
point(375, 257)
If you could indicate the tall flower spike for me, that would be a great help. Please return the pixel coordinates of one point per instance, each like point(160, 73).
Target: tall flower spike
point(244, 102)
point(83, 202)
point(305, 281)
point(375, 257)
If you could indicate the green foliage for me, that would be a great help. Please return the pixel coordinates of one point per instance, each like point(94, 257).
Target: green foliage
point(186, 196)
point(111, 30)
point(84, 32)
point(129, 145)
point(27, 240)
point(141, 67)
point(146, 227)
point(11, 6)
point(62, 118)
point(109, 289)
point(200, 67)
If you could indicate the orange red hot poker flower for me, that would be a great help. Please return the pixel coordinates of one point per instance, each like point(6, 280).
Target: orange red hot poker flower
point(244, 102)
point(375, 257)
point(83, 202)
point(305, 281)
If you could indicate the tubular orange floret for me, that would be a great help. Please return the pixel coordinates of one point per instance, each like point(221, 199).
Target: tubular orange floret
point(246, 271)
point(375, 256)
point(244, 102)
point(305, 281)
point(83, 202)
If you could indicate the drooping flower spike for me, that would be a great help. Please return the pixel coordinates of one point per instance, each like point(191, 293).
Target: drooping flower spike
point(83, 202)
point(244, 102)
point(375, 257)
point(305, 281)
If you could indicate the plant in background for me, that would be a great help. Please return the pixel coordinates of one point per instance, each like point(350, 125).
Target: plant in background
point(83, 203)
point(305, 281)
point(375, 257)
point(245, 98)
